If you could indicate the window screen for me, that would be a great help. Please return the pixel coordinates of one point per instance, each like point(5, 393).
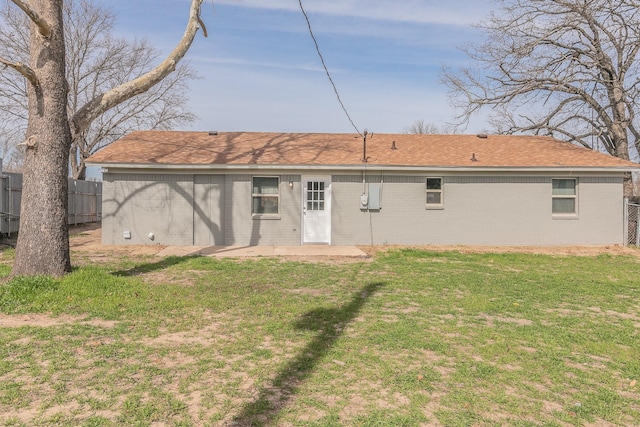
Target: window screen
point(434, 192)
point(563, 196)
point(265, 195)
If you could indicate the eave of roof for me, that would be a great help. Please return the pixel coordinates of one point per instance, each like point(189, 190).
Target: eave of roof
point(400, 168)
point(308, 151)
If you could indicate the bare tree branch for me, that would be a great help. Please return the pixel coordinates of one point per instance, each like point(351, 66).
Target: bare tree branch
point(101, 103)
point(43, 25)
point(26, 71)
point(561, 67)
point(96, 61)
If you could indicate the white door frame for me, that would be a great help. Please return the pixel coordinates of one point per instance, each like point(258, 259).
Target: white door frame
point(326, 211)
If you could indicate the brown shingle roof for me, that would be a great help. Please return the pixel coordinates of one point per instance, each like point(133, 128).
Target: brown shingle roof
point(259, 148)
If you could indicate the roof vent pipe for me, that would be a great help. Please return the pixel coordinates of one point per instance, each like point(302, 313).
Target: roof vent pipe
point(213, 132)
point(482, 135)
point(393, 145)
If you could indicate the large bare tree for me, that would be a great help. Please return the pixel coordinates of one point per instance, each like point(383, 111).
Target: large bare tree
point(567, 68)
point(43, 240)
point(95, 61)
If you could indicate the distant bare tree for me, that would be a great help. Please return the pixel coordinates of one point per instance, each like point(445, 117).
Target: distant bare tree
point(420, 127)
point(12, 159)
point(96, 61)
point(565, 68)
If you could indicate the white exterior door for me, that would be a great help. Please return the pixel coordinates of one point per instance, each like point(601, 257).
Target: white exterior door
point(316, 209)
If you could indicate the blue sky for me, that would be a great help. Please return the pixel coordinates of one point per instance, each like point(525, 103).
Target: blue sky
point(260, 70)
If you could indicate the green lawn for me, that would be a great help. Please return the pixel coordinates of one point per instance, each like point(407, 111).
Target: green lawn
point(411, 338)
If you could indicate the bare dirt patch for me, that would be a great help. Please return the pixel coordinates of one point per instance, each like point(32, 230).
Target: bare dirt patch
point(44, 321)
point(85, 241)
point(539, 250)
point(216, 380)
point(491, 320)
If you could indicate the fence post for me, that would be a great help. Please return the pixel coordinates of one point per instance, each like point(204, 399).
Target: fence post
point(637, 207)
point(625, 221)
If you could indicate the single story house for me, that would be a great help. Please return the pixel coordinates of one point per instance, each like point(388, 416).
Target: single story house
point(253, 188)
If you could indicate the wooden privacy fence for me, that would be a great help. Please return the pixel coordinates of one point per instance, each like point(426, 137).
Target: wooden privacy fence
point(85, 202)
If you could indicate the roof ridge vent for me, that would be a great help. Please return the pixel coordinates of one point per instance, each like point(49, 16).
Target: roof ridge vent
point(482, 136)
point(213, 133)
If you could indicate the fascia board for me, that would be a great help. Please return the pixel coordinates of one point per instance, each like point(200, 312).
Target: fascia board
point(360, 168)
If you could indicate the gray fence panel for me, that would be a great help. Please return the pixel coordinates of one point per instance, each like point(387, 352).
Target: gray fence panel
point(10, 199)
point(85, 202)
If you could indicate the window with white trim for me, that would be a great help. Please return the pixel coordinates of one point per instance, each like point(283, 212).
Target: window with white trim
point(564, 196)
point(265, 195)
point(434, 192)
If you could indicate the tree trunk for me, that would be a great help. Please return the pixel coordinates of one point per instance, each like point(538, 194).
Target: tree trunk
point(621, 151)
point(81, 173)
point(43, 239)
point(629, 189)
point(76, 163)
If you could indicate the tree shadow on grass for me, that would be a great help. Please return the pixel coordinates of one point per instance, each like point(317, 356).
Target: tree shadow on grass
point(330, 323)
point(153, 266)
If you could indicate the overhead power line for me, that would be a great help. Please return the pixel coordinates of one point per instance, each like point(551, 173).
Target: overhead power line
point(335, 89)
